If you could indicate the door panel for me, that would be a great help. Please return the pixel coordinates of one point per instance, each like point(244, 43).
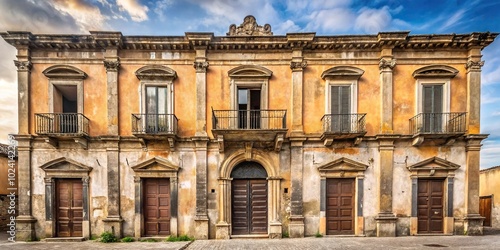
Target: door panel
point(485, 210)
point(340, 206)
point(69, 206)
point(156, 207)
point(249, 206)
point(430, 206)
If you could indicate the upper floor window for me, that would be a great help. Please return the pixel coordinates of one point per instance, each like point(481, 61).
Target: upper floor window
point(341, 92)
point(157, 100)
point(65, 89)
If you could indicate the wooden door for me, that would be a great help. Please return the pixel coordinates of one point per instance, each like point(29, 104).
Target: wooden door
point(485, 210)
point(249, 206)
point(69, 206)
point(430, 206)
point(340, 206)
point(156, 207)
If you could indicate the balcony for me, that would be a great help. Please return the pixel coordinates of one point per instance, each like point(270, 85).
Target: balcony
point(62, 126)
point(437, 126)
point(155, 127)
point(249, 126)
point(343, 126)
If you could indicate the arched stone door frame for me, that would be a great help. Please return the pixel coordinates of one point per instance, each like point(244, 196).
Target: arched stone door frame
point(224, 223)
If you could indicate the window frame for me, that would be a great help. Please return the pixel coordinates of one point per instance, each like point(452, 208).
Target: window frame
point(421, 83)
point(353, 83)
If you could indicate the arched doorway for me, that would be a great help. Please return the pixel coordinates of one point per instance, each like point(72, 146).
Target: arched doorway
point(249, 196)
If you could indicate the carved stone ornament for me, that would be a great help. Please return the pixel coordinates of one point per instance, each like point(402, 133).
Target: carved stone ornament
point(298, 65)
point(201, 67)
point(384, 64)
point(474, 64)
point(111, 65)
point(249, 27)
point(23, 65)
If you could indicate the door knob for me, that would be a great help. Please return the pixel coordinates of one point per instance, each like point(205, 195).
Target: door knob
point(436, 212)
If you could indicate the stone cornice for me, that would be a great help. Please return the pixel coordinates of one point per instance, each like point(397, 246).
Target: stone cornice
point(305, 41)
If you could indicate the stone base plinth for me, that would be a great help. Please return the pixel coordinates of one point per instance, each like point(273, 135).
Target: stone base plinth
point(296, 227)
point(386, 226)
point(473, 224)
point(222, 231)
point(201, 228)
point(275, 230)
point(114, 226)
point(24, 229)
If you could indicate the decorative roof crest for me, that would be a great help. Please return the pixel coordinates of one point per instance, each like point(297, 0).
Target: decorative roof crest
point(249, 27)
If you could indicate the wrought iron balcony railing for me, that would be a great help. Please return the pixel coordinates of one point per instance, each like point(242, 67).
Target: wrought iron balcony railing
point(262, 119)
point(154, 124)
point(61, 124)
point(344, 123)
point(438, 123)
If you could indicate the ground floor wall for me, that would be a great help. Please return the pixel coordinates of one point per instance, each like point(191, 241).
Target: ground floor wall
point(321, 168)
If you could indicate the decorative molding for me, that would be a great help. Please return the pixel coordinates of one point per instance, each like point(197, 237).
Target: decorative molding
point(156, 164)
point(64, 72)
point(342, 165)
point(201, 67)
point(64, 165)
point(343, 72)
point(435, 71)
point(474, 65)
point(111, 65)
point(156, 72)
point(249, 27)
point(433, 163)
point(23, 65)
point(250, 71)
point(387, 64)
point(298, 65)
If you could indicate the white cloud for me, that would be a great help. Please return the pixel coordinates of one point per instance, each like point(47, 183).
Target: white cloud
point(490, 153)
point(373, 20)
point(286, 27)
point(137, 12)
point(87, 17)
point(8, 109)
point(161, 7)
point(332, 20)
point(453, 20)
point(496, 113)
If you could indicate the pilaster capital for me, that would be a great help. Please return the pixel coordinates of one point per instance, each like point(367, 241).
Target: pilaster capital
point(86, 180)
point(48, 181)
point(387, 64)
point(201, 67)
point(472, 65)
point(298, 66)
point(137, 179)
point(474, 142)
point(23, 65)
point(112, 65)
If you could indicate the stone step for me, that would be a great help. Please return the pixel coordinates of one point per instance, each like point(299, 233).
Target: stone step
point(64, 239)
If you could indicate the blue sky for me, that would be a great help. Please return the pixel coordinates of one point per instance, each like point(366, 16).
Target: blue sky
point(325, 17)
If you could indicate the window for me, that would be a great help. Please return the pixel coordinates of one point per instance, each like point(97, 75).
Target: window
point(341, 92)
point(432, 107)
point(157, 101)
point(249, 108)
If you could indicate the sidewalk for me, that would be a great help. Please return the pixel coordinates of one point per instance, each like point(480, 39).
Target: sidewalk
point(490, 241)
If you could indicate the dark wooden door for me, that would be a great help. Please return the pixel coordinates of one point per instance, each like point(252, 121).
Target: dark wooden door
point(249, 206)
point(340, 206)
point(430, 206)
point(69, 206)
point(156, 207)
point(485, 210)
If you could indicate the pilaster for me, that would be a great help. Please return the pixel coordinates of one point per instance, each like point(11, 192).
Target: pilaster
point(296, 224)
point(386, 220)
point(112, 64)
point(223, 228)
point(386, 66)
point(25, 222)
point(473, 222)
point(113, 221)
point(473, 67)
point(201, 218)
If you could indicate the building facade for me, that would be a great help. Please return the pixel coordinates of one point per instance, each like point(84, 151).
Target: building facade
point(8, 186)
point(489, 191)
point(248, 134)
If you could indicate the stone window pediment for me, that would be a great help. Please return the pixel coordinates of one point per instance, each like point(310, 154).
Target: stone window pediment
point(156, 72)
point(343, 72)
point(343, 165)
point(434, 163)
point(61, 165)
point(435, 71)
point(64, 72)
point(156, 164)
point(250, 71)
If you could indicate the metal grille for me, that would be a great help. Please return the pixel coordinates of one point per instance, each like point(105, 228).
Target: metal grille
point(154, 124)
point(249, 119)
point(61, 124)
point(344, 123)
point(438, 123)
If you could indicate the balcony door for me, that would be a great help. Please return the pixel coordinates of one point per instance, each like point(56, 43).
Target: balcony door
point(340, 108)
point(249, 108)
point(156, 109)
point(432, 108)
point(66, 102)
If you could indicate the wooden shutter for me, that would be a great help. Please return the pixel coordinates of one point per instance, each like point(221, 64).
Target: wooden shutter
point(433, 99)
point(341, 100)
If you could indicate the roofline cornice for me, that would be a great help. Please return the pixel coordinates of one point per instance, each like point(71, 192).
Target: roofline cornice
point(305, 41)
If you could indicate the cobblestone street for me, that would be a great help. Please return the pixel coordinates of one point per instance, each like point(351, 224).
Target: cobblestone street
point(490, 241)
